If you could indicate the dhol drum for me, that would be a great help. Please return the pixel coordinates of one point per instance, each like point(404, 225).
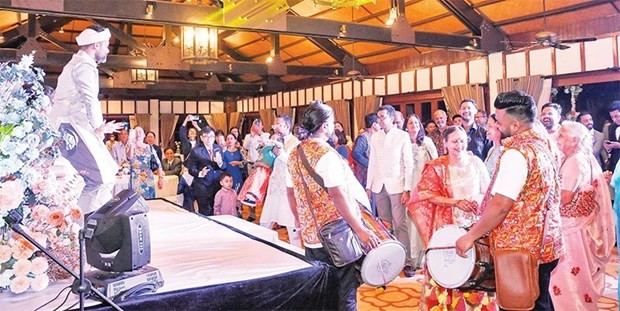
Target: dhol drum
point(385, 262)
point(452, 271)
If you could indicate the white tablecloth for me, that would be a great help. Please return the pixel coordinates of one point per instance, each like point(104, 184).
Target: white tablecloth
point(190, 251)
point(169, 189)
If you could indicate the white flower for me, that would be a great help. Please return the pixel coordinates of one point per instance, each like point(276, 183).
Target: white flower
point(27, 125)
point(26, 61)
point(5, 277)
point(5, 254)
point(11, 195)
point(40, 282)
point(19, 131)
point(20, 284)
point(22, 267)
point(32, 140)
point(39, 265)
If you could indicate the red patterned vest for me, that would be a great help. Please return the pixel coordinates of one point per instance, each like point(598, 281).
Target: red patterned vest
point(321, 202)
point(535, 214)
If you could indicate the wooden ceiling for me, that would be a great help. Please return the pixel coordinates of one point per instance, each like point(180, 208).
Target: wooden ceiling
point(309, 48)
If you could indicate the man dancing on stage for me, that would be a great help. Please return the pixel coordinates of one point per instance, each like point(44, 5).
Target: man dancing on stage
point(77, 114)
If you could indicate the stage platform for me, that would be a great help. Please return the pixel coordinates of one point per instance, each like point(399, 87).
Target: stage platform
point(214, 263)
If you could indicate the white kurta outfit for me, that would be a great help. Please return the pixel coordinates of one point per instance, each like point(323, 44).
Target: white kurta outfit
point(77, 113)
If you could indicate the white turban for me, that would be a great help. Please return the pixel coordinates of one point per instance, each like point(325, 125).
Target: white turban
point(90, 36)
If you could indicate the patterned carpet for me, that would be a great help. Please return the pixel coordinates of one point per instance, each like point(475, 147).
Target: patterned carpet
point(404, 293)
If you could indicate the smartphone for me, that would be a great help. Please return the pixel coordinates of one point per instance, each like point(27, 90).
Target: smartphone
point(195, 118)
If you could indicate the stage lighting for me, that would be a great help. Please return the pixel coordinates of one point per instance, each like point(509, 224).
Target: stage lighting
point(117, 234)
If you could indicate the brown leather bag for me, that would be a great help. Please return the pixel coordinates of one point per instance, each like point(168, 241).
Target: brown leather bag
point(516, 279)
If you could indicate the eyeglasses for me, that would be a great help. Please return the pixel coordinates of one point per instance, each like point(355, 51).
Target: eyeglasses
point(383, 117)
point(208, 136)
point(276, 125)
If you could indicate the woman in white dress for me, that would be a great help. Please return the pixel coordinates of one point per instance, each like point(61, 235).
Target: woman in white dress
point(277, 208)
point(423, 150)
point(448, 193)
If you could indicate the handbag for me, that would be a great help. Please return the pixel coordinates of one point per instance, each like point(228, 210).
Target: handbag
point(516, 279)
point(337, 237)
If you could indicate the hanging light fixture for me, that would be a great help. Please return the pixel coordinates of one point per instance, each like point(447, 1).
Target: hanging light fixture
point(199, 44)
point(141, 75)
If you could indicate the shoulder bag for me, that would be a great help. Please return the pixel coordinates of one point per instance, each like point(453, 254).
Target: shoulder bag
point(337, 237)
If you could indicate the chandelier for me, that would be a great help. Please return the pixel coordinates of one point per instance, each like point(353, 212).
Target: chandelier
point(140, 75)
point(199, 44)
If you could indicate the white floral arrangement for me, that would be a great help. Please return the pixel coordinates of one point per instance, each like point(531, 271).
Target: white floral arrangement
point(33, 182)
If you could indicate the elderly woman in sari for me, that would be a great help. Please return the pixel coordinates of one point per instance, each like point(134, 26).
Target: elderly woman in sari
point(447, 193)
point(587, 225)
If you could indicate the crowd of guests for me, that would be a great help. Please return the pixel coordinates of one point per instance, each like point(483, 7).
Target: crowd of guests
point(506, 173)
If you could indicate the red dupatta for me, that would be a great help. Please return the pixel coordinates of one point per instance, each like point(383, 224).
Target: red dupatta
point(427, 216)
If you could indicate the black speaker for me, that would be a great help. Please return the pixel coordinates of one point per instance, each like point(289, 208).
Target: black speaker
point(117, 234)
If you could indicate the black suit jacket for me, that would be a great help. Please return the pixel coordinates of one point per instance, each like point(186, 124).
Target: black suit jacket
point(174, 168)
point(199, 158)
point(615, 153)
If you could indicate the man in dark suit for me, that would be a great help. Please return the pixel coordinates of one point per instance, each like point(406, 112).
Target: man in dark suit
point(171, 164)
point(612, 144)
point(585, 118)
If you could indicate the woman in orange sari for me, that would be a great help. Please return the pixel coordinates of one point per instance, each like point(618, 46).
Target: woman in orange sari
point(448, 193)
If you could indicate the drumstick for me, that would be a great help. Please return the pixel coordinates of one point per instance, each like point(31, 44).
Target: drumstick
point(438, 248)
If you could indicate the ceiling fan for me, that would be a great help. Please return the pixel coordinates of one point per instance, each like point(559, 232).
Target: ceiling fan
point(352, 75)
point(548, 38)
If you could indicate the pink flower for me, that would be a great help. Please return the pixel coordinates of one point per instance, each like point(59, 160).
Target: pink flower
point(39, 212)
point(76, 214)
point(11, 195)
point(22, 249)
point(5, 253)
point(19, 284)
point(40, 282)
point(39, 265)
point(22, 267)
point(56, 219)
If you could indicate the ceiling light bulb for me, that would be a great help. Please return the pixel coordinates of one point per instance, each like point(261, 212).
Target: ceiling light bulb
point(62, 30)
point(392, 17)
point(269, 59)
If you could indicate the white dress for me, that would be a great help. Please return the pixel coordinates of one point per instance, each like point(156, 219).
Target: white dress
point(469, 182)
point(277, 208)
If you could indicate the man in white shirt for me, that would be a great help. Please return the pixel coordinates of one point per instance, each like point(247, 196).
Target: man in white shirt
point(390, 169)
point(77, 114)
point(585, 118)
point(119, 151)
point(253, 141)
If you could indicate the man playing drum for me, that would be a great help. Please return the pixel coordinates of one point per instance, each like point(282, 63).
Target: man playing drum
point(337, 201)
point(526, 183)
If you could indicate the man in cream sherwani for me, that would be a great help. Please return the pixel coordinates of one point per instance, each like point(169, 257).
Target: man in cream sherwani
point(77, 114)
point(390, 169)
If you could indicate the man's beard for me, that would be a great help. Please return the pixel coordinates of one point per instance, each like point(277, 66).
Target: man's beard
point(504, 135)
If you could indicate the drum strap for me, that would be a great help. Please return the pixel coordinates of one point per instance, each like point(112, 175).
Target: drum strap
point(319, 180)
point(314, 175)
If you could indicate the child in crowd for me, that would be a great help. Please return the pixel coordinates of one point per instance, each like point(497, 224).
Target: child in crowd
point(255, 186)
point(225, 202)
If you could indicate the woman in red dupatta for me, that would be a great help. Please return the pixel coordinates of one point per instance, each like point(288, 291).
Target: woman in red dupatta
point(447, 194)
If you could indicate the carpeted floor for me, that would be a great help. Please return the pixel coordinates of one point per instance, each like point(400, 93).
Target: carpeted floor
point(404, 293)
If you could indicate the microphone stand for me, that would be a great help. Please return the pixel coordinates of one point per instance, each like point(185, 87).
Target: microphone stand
point(81, 285)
